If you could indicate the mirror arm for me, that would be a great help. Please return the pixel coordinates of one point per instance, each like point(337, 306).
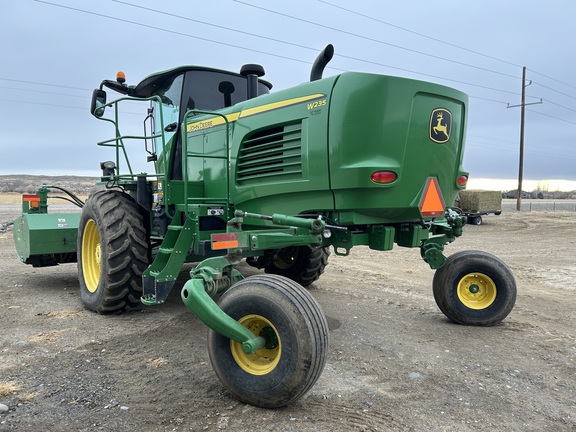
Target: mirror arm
point(116, 86)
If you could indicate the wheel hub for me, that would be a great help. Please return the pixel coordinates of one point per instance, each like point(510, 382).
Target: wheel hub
point(476, 291)
point(265, 359)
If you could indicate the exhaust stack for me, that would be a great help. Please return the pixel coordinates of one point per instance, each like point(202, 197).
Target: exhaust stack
point(321, 61)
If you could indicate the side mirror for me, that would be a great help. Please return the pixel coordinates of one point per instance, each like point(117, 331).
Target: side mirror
point(98, 103)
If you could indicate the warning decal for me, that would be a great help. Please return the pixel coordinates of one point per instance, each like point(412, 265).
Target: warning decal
point(432, 202)
point(224, 241)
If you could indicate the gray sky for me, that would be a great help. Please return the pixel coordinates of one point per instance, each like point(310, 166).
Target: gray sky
point(52, 58)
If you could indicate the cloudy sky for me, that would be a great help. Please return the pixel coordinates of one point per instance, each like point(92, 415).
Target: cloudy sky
point(55, 52)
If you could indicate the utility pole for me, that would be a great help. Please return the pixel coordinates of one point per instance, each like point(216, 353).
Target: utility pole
point(522, 117)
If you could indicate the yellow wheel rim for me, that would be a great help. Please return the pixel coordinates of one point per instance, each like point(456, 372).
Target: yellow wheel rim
point(265, 359)
point(476, 291)
point(91, 256)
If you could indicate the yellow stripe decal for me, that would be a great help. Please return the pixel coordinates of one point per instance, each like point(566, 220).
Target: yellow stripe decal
point(232, 117)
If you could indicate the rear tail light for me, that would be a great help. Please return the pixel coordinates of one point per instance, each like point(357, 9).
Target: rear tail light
point(462, 181)
point(384, 177)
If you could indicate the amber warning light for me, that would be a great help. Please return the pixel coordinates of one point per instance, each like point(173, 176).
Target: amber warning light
point(121, 77)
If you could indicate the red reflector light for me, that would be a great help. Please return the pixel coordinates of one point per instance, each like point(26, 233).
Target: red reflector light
point(224, 241)
point(462, 181)
point(383, 177)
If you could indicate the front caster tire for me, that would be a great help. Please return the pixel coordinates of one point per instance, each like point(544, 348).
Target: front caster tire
point(296, 334)
point(112, 253)
point(474, 288)
point(302, 264)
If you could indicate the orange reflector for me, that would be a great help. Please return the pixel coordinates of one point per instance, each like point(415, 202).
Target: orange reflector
point(383, 177)
point(31, 198)
point(462, 181)
point(224, 241)
point(432, 203)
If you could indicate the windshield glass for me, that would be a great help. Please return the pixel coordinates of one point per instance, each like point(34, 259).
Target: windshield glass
point(213, 90)
point(170, 108)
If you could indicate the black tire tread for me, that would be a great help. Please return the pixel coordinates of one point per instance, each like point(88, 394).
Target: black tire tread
point(123, 238)
point(307, 269)
point(495, 268)
point(306, 305)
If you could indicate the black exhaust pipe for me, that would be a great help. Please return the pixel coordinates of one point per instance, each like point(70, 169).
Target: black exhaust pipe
point(252, 72)
point(321, 61)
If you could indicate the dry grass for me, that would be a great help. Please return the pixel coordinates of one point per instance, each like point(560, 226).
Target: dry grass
point(16, 198)
point(156, 363)
point(27, 397)
point(60, 314)
point(10, 198)
point(48, 336)
point(9, 387)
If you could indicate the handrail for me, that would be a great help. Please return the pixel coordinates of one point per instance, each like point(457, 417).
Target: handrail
point(185, 151)
point(118, 140)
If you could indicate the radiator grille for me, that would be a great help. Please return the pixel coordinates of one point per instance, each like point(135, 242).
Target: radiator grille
point(270, 155)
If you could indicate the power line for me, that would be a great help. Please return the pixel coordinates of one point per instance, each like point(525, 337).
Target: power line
point(294, 44)
point(554, 90)
point(375, 40)
point(271, 39)
point(419, 34)
point(175, 32)
point(43, 104)
point(43, 92)
point(45, 84)
point(486, 99)
point(557, 104)
point(553, 79)
point(442, 41)
point(548, 115)
point(259, 51)
point(214, 25)
point(60, 106)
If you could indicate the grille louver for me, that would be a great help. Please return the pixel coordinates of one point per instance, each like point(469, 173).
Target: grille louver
point(270, 155)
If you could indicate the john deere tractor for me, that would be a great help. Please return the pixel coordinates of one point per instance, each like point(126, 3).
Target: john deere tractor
point(275, 179)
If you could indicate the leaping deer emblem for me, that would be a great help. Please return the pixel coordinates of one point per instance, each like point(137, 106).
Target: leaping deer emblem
point(440, 125)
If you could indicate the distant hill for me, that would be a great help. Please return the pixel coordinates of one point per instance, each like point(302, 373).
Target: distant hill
point(24, 183)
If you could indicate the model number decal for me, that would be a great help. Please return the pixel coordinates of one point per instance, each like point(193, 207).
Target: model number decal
point(317, 104)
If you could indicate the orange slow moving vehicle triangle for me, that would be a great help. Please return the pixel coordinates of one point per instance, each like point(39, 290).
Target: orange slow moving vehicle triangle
point(432, 203)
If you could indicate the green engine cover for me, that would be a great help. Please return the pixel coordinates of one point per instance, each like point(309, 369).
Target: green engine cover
point(46, 239)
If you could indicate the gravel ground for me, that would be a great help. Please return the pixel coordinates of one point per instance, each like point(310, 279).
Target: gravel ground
point(395, 363)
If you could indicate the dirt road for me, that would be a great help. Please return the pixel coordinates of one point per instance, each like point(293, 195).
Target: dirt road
point(395, 363)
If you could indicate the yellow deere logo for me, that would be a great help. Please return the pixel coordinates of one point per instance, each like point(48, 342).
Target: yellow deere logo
point(440, 125)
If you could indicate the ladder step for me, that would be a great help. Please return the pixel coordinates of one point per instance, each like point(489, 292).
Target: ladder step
point(175, 227)
point(165, 250)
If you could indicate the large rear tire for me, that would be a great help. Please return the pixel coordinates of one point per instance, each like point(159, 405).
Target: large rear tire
point(474, 288)
point(112, 253)
point(302, 264)
point(296, 334)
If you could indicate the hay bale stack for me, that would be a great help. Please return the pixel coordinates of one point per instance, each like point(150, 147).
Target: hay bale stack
point(480, 200)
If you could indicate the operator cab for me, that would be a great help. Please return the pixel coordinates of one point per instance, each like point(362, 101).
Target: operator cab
point(191, 87)
point(182, 89)
point(202, 88)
